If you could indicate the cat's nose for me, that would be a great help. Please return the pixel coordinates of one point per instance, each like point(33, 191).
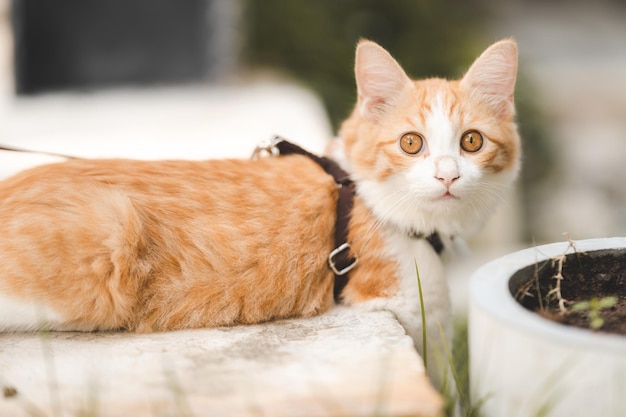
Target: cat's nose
point(446, 170)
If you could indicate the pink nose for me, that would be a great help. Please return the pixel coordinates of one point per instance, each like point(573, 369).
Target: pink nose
point(446, 170)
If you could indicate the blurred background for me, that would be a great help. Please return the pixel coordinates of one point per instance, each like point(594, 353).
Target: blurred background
point(206, 78)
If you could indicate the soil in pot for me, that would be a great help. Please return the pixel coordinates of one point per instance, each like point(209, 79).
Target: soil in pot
point(552, 288)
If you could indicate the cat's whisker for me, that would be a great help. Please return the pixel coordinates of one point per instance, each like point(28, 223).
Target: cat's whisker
point(493, 191)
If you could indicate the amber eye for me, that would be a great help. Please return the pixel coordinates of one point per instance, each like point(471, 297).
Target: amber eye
point(411, 143)
point(471, 141)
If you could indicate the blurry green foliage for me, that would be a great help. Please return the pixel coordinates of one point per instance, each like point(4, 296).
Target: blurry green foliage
point(539, 157)
point(314, 40)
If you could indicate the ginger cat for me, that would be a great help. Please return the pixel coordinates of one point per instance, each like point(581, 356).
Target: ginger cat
point(162, 245)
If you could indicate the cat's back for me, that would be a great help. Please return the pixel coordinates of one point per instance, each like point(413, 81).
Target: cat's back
point(170, 176)
point(180, 187)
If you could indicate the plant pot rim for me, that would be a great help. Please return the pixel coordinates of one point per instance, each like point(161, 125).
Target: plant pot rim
point(489, 290)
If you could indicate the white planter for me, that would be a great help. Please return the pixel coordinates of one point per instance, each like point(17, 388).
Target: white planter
point(523, 365)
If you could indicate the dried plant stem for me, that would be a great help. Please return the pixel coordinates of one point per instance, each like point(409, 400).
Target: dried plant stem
point(558, 276)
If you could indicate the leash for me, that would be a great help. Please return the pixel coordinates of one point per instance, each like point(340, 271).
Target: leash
point(14, 149)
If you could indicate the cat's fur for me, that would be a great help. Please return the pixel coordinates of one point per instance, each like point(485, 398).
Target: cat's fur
point(155, 246)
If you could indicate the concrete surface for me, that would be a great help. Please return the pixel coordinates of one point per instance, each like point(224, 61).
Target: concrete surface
point(344, 363)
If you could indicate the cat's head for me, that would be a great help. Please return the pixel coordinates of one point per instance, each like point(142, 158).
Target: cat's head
point(433, 154)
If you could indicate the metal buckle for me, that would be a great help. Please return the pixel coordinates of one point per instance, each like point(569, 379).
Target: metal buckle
point(331, 260)
point(267, 147)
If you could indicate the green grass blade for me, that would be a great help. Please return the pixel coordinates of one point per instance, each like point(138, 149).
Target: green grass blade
point(423, 310)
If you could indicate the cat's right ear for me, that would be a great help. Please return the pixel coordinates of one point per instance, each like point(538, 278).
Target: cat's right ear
point(380, 79)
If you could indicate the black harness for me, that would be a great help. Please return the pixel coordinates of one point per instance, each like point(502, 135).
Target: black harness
point(340, 260)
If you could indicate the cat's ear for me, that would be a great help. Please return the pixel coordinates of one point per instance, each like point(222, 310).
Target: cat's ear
point(491, 78)
point(380, 79)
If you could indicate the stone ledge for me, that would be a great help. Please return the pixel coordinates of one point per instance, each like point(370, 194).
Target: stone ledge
point(344, 363)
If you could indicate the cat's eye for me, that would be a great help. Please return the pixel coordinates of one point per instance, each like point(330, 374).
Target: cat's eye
point(471, 141)
point(411, 143)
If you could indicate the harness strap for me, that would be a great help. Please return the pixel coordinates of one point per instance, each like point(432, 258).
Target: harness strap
point(340, 260)
point(434, 239)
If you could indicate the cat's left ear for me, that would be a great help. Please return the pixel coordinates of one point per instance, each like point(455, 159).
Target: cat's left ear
point(380, 79)
point(491, 78)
